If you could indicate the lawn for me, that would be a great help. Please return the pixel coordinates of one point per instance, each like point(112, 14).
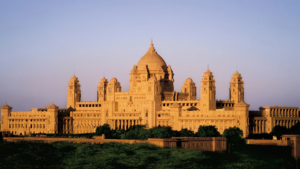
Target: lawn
point(115, 155)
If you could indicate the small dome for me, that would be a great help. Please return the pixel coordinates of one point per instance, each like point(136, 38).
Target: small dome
point(152, 59)
point(189, 80)
point(113, 80)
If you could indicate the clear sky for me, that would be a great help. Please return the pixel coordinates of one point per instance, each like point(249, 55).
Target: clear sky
point(42, 43)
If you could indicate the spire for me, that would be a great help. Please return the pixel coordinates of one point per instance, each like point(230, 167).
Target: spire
point(151, 49)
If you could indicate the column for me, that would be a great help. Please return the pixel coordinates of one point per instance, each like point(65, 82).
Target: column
point(256, 126)
point(253, 126)
point(259, 126)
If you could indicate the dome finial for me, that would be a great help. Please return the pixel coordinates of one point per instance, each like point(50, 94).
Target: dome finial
point(151, 49)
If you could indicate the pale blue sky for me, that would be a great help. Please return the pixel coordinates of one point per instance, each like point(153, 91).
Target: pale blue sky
point(42, 43)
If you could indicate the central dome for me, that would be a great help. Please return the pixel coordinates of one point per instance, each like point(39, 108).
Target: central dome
point(152, 59)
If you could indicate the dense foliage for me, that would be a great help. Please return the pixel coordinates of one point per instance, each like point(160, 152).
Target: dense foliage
point(208, 131)
point(139, 156)
point(295, 129)
point(186, 133)
point(140, 132)
point(233, 134)
point(278, 131)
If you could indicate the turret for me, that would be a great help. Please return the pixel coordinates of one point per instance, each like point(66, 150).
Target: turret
point(236, 91)
point(101, 94)
point(189, 87)
point(208, 91)
point(74, 92)
point(153, 89)
point(5, 113)
point(112, 87)
point(52, 121)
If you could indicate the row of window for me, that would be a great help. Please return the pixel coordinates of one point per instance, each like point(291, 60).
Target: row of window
point(21, 120)
point(25, 126)
point(137, 115)
point(187, 115)
point(89, 105)
point(25, 115)
point(87, 115)
point(182, 104)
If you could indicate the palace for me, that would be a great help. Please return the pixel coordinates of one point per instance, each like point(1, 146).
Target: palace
point(151, 101)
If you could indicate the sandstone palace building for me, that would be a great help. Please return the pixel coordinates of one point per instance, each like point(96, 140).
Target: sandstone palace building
point(151, 101)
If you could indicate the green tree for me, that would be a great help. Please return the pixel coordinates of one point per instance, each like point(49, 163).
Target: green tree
point(233, 134)
point(295, 129)
point(208, 131)
point(278, 131)
point(105, 129)
point(134, 132)
point(161, 132)
point(186, 133)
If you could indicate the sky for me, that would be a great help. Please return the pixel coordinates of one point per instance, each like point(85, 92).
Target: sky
point(43, 43)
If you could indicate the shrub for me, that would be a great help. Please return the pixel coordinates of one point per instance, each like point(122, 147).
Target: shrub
point(278, 131)
point(105, 129)
point(233, 134)
point(186, 133)
point(208, 131)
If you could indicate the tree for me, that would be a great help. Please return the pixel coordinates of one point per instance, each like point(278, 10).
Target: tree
point(105, 129)
point(278, 131)
point(161, 132)
point(134, 132)
point(233, 134)
point(295, 129)
point(208, 131)
point(186, 133)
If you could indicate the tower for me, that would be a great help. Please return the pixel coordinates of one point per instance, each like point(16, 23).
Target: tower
point(112, 87)
point(189, 88)
point(236, 91)
point(101, 94)
point(208, 91)
point(74, 92)
point(5, 113)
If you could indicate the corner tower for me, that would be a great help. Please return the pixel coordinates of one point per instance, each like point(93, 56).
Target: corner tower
point(101, 94)
point(74, 92)
point(189, 87)
point(208, 91)
point(236, 91)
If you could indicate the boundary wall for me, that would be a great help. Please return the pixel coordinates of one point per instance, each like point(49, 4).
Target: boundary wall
point(292, 141)
point(204, 144)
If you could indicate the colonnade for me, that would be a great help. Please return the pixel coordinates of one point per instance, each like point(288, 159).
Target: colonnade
point(287, 123)
point(125, 124)
point(259, 126)
point(65, 126)
point(284, 113)
point(219, 124)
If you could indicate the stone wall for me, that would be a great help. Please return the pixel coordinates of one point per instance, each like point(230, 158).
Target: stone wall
point(267, 142)
point(292, 141)
point(204, 144)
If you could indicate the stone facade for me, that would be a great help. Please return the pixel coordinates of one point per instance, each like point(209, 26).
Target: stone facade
point(151, 101)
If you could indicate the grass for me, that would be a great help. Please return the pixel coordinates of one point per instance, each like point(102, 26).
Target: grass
point(140, 156)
